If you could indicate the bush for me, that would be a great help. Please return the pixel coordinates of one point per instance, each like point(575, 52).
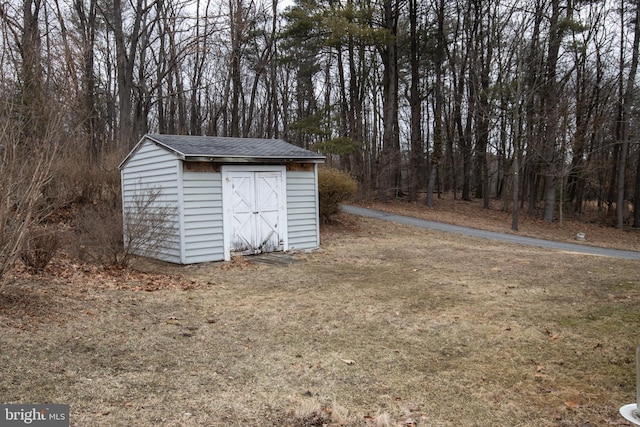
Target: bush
point(99, 234)
point(25, 164)
point(40, 247)
point(76, 180)
point(334, 187)
point(147, 225)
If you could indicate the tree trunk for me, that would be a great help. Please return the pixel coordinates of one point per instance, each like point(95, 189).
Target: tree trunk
point(32, 94)
point(636, 196)
point(483, 54)
point(236, 12)
point(415, 103)
point(551, 114)
point(125, 61)
point(87, 20)
point(626, 117)
point(390, 160)
point(438, 131)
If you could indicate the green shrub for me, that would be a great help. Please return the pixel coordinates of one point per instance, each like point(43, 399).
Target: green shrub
point(334, 187)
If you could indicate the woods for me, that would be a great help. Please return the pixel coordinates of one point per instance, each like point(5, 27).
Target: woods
point(532, 102)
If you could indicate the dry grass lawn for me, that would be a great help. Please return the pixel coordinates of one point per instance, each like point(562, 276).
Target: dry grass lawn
point(385, 326)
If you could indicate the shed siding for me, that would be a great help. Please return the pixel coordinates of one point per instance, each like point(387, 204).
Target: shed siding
point(302, 210)
point(196, 196)
point(154, 168)
point(203, 230)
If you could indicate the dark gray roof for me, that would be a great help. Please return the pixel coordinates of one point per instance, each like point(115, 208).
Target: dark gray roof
point(214, 146)
point(223, 149)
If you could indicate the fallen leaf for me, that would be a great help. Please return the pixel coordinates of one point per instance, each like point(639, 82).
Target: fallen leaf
point(616, 422)
point(411, 407)
point(571, 404)
point(348, 361)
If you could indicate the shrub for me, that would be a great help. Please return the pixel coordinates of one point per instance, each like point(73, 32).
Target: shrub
point(25, 164)
point(77, 180)
point(334, 187)
point(40, 247)
point(147, 225)
point(99, 234)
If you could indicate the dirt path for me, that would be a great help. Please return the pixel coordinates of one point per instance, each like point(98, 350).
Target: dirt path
point(504, 237)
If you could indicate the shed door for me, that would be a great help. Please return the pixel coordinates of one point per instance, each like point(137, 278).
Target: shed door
point(255, 211)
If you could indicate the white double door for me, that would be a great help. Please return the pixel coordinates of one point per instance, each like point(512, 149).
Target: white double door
point(255, 212)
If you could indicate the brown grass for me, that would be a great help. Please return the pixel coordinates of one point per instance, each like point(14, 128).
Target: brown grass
point(385, 326)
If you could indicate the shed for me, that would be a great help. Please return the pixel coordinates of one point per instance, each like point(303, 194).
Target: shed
point(225, 195)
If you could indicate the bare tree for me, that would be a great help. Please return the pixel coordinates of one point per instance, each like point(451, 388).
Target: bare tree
point(390, 155)
point(127, 47)
point(439, 56)
point(87, 24)
point(415, 102)
point(24, 172)
point(626, 114)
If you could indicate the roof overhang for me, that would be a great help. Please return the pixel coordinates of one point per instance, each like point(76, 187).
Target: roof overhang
point(251, 160)
point(221, 159)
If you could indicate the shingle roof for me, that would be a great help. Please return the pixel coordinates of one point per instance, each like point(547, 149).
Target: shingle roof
point(220, 147)
point(228, 150)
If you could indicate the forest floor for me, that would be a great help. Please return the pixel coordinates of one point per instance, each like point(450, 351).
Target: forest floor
point(386, 325)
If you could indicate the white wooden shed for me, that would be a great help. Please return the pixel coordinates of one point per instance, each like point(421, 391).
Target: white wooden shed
point(227, 195)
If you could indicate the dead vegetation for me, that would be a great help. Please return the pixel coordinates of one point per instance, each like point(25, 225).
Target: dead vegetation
point(385, 326)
